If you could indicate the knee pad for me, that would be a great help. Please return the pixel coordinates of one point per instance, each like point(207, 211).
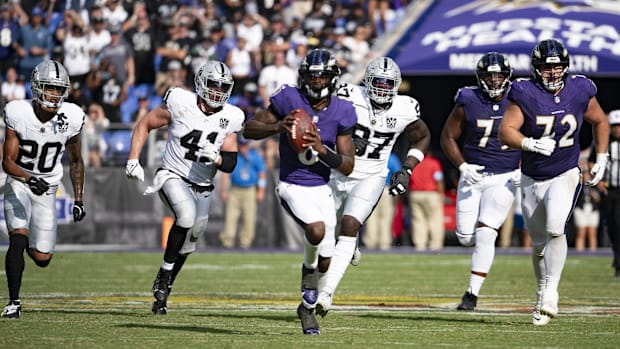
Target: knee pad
point(486, 236)
point(186, 220)
point(466, 240)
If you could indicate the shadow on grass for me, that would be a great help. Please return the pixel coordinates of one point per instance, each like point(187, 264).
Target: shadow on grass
point(199, 329)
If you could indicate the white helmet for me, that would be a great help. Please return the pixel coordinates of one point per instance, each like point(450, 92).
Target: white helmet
point(49, 74)
point(214, 83)
point(382, 79)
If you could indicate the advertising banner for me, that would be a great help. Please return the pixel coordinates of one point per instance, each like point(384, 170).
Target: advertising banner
point(453, 34)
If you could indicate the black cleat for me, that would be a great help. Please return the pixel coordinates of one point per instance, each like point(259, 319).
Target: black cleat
point(13, 310)
point(309, 325)
point(161, 290)
point(468, 302)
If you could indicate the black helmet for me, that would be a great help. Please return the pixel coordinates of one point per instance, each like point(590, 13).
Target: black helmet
point(318, 63)
point(493, 73)
point(550, 52)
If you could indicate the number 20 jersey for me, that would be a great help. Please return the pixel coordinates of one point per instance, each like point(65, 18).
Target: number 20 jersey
point(190, 129)
point(41, 145)
point(380, 127)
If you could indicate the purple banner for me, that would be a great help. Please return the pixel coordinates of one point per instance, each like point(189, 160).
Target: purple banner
point(454, 34)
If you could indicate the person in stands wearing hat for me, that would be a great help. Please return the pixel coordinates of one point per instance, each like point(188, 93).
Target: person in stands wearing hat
point(241, 190)
point(610, 188)
point(34, 43)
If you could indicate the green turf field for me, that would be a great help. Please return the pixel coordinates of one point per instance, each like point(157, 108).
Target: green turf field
point(236, 300)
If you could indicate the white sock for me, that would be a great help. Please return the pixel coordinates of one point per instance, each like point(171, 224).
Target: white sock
point(343, 253)
point(322, 280)
point(555, 258)
point(311, 255)
point(538, 262)
point(475, 284)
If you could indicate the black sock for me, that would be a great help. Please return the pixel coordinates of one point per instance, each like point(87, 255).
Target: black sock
point(176, 238)
point(177, 266)
point(14, 263)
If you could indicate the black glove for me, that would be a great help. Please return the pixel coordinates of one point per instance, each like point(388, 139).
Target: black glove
point(38, 186)
point(360, 145)
point(399, 182)
point(78, 211)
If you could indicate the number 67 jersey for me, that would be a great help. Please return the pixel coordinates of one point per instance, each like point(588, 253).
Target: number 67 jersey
point(41, 145)
point(380, 128)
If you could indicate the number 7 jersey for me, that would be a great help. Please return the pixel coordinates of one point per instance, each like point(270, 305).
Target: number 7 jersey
point(380, 127)
point(41, 145)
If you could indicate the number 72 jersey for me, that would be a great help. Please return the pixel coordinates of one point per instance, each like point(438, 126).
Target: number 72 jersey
point(380, 127)
point(41, 145)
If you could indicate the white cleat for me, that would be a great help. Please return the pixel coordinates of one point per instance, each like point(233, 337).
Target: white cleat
point(323, 303)
point(550, 304)
point(539, 319)
point(357, 257)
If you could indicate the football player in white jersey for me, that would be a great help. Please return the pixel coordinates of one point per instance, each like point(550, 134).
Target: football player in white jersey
point(37, 133)
point(489, 171)
point(382, 115)
point(202, 129)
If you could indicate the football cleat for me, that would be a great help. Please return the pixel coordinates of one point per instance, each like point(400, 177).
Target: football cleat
point(309, 325)
point(357, 257)
point(549, 304)
point(323, 303)
point(539, 319)
point(468, 302)
point(161, 290)
point(13, 310)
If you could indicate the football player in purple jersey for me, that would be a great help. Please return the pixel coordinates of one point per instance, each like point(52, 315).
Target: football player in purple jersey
point(543, 119)
point(489, 171)
point(303, 189)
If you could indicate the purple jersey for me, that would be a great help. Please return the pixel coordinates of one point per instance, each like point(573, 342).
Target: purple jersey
point(339, 117)
point(481, 145)
point(560, 116)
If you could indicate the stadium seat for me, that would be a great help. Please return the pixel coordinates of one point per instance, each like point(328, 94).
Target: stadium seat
point(119, 143)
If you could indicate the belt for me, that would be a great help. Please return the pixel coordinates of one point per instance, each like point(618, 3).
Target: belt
point(197, 187)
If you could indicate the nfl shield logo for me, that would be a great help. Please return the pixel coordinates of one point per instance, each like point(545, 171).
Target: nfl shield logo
point(223, 123)
point(391, 122)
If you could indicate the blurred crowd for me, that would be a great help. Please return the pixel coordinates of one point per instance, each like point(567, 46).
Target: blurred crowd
point(122, 55)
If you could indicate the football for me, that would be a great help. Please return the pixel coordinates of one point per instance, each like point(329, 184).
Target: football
point(304, 123)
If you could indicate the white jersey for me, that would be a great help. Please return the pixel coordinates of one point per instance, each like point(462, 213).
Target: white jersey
point(190, 130)
point(41, 145)
point(380, 127)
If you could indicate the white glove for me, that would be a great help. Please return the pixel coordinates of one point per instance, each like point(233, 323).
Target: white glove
point(309, 157)
point(208, 153)
point(598, 170)
point(470, 172)
point(544, 145)
point(134, 170)
point(516, 178)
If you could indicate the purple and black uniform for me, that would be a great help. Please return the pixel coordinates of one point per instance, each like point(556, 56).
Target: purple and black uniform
point(560, 116)
point(338, 118)
point(481, 145)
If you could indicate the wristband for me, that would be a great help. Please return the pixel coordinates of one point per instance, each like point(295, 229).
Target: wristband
point(416, 153)
point(331, 159)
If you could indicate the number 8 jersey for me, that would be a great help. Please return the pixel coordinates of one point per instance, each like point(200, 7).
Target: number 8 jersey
point(41, 145)
point(380, 127)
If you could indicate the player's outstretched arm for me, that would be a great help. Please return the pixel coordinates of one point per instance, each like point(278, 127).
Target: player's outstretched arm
point(156, 118)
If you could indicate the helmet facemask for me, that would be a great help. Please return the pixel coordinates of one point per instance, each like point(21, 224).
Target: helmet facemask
point(214, 83)
point(318, 74)
point(49, 84)
point(318, 84)
point(493, 73)
point(550, 62)
point(382, 80)
point(552, 77)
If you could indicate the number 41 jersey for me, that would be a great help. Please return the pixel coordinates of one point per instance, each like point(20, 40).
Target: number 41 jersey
point(380, 127)
point(190, 130)
point(41, 145)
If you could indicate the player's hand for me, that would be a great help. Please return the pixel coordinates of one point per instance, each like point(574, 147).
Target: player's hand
point(286, 124)
point(208, 153)
point(78, 211)
point(471, 172)
point(399, 182)
point(309, 157)
point(38, 185)
point(598, 170)
point(360, 145)
point(516, 178)
point(134, 170)
point(544, 145)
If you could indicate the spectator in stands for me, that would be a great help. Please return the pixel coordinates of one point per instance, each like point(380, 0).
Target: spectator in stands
point(358, 44)
point(141, 36)
point(175, 77)
point(241, 191)
point(107, 90)
point(114, 13)
point(34, 43)
point(75, 48)
point(77, 96)
point(9, 28)
point(176, 48)
point(240, 63)
point(341, 51)
point(426, 196)
point(202, 52)
point(275, 75)
point(120, 55)
point(277, 37)
point(297, 52)
point(98, 36)
point(252, 31)
point(586, 214)
point(92, 134)
point(13, 87)
point(143, 108)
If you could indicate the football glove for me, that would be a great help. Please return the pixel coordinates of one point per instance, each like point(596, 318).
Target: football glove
point(134, 169)
point(516, 178)
point(471, 173)
point(37, 185)
point(399, 182)
point(598, 170)
point(208, 153)
point(308, 157)
point(78, 211)
point(544, 145)
point(360, 145)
